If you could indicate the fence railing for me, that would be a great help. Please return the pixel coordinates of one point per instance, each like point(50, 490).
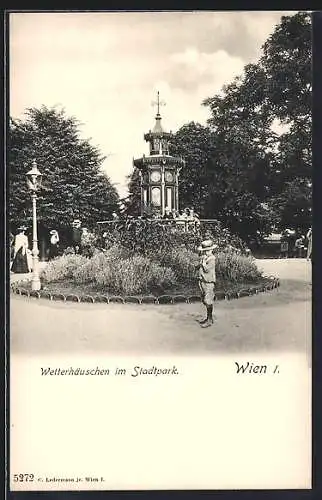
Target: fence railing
point(179, 224)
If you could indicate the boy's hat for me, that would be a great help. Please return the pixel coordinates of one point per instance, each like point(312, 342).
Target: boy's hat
point(207, 245)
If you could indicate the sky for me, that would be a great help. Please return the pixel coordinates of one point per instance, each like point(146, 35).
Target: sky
point(105, 68)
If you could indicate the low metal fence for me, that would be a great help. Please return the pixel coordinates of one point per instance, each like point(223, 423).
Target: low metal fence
point(178, 224)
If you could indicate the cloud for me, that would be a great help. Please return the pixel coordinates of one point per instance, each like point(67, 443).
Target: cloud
point(192, 69)
point(241, 34)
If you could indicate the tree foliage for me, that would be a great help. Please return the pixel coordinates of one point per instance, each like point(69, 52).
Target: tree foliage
point(195, 143)
point(74, 185)
point(132, 203)
point(287, 65)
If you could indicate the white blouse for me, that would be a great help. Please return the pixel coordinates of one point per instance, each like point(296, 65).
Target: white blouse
point(21, 241)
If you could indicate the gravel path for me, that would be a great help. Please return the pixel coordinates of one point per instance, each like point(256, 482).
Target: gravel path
point(279, 320)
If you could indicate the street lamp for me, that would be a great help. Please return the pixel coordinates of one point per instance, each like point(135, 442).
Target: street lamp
point(34, 178)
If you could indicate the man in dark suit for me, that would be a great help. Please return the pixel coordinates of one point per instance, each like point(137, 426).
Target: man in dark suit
point(207, 279)
point(77, 236)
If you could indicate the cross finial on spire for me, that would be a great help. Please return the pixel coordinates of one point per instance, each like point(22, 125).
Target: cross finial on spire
point(158, 102)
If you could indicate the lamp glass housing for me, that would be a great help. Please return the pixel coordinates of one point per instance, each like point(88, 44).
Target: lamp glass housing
point(34, 178)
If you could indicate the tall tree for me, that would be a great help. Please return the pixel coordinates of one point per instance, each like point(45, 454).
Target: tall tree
point(74, 185)
point(287, 65)
point(287, 62)
point(277, 89)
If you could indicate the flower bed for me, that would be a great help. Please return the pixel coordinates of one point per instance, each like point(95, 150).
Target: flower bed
point(120, 271)
point(121, 275)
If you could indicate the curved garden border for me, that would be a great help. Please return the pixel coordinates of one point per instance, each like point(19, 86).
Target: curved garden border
point(19, 288)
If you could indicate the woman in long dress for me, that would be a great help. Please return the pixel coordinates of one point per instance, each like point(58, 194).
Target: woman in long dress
point(20, 262)
point(53, 244)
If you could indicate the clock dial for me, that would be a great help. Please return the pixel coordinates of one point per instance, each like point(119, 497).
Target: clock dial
point(155, 176)
point(169, 176)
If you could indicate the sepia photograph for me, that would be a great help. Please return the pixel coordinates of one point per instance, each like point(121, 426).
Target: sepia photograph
point(159, 218)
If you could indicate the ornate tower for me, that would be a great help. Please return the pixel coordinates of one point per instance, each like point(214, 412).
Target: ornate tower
point(159, 172)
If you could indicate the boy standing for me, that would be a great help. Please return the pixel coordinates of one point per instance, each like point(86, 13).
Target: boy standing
point(207, 279)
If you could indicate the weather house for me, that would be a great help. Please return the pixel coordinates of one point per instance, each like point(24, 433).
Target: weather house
point(159, 171)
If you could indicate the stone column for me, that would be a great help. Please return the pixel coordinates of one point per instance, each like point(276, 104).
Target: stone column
point(162, 191)
point(142, 197)
point(177, 190)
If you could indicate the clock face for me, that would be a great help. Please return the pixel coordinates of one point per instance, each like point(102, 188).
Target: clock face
point(169, 176)
point(156, 196)
point(155, 176)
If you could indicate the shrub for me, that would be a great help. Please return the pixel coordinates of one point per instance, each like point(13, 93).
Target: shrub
point(222, 236)
point(117, 270)
point(69, 251)
point(230, 265)
point(89, 251)
point(183, 261)
point(62, 267)
point(146, 236)
point(99, 264)
point(135, 274)
point(233, 267)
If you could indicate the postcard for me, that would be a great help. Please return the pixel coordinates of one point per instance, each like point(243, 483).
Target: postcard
point(159, 250)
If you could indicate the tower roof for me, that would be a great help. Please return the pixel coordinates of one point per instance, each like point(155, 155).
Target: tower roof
point(157, 131)
point(157, 127)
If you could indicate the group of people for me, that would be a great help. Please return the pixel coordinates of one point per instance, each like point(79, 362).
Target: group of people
point(188, 215)
point(81, 239)
point(20, 253)
point(296, 244)
point(184, 219)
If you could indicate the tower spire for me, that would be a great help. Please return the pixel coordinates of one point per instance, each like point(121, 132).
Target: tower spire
point(158, 103)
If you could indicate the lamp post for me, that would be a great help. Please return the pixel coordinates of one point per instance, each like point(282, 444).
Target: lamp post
point(34, 178)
